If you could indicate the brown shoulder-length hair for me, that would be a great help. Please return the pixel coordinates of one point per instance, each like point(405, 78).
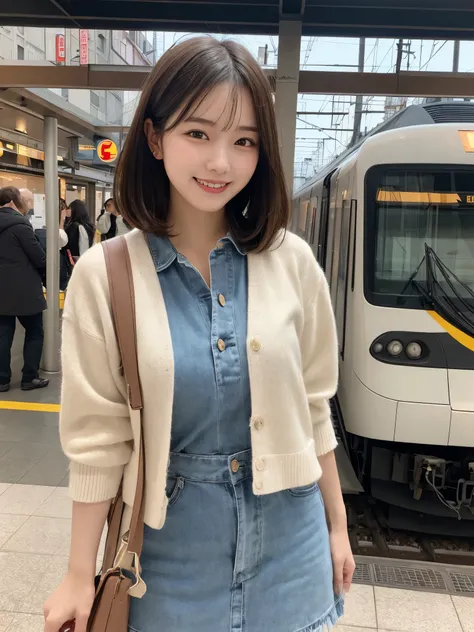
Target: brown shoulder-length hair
point(180, 81)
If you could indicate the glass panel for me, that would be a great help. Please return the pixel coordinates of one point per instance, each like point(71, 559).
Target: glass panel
point(414, 208)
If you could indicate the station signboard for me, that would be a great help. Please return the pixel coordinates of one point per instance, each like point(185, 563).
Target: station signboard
point(83, 47)
point(60, 48)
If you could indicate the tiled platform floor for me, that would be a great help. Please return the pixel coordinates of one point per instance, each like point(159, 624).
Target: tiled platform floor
point(34, 541)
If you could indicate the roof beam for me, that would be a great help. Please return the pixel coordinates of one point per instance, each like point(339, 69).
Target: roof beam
point(427, 19)
point(409, 84)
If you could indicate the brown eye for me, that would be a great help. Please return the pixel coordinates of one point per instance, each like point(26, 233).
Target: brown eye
point(197, 135)
point(245, 142)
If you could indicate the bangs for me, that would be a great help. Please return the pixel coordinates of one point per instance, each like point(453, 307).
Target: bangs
point(231, 111)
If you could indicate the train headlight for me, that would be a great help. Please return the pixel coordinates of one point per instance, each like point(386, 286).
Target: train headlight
point(378, 347)
point(395, 348)
point(414, 350)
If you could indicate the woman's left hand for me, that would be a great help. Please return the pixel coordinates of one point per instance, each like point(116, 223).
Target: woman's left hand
point(342, 560)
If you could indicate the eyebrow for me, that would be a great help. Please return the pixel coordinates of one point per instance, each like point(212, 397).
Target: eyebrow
point(204, 121)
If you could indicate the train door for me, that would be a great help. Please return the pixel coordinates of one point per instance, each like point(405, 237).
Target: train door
point(322, 234)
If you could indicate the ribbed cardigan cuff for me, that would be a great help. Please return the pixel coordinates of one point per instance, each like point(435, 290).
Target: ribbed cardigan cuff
point(324, 437)
point(90, 484)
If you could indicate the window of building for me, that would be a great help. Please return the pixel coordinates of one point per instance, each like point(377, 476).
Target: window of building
point(65, 93)
point(95, 99)
point(20, 52)
point(101, 43)
point(21, 30)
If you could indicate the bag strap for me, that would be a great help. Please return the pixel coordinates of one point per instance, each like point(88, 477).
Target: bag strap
point(122, 299)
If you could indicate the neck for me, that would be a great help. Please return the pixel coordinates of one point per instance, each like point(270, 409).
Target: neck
point(194, 229)
point(14, 208)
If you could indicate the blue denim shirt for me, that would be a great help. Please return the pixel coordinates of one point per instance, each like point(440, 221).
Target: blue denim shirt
point(211, 404)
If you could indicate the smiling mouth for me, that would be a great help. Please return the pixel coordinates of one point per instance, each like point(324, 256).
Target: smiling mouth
point(212, 187)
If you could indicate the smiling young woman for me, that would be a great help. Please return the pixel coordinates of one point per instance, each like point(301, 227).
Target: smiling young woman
point(237, 356)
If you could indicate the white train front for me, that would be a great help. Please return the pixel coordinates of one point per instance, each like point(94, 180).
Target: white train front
point(392, 224)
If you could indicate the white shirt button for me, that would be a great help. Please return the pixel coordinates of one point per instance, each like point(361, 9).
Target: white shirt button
point(260, 465)
point(255, 344)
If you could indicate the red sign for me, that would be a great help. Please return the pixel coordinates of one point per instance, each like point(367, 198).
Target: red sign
point(60, 49)
point(83, 47)
point(107, 150)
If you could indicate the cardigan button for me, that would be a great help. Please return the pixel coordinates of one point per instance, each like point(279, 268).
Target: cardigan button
point(260, 465)
point(259, 485)
point(258, 423)
point(255, 344)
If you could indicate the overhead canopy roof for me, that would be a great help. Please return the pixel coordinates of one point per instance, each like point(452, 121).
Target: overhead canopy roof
point(427, 19)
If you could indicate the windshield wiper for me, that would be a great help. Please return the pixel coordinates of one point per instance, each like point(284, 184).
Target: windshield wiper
point(411, 280)
point(444, 304)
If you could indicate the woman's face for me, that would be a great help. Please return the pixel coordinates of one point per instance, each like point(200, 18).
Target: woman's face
point(209, 159)
point(110, 207)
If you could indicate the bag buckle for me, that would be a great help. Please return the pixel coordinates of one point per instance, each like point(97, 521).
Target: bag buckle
point(139, 587)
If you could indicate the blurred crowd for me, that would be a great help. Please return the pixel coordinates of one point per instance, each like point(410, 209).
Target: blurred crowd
point(23, 270)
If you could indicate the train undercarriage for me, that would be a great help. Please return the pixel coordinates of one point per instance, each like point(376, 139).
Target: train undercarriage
point(422, 488)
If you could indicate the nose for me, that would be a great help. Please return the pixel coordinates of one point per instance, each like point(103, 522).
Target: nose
point(218, 161)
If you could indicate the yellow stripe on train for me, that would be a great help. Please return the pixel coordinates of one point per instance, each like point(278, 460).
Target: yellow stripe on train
point(454, 332)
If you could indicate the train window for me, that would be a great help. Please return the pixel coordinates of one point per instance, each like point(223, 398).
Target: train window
point(333, 271)
point(314, 217)
point(406, 209)
point(303, 216)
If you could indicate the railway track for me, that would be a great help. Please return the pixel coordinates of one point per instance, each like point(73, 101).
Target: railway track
point(370, 536)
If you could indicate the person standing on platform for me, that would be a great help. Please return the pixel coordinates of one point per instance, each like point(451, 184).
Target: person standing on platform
point(245, 524)
point(110, 223)
point(22, 260)
point(79, 229)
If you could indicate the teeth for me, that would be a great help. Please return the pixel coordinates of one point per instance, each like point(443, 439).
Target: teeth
point(211, 184)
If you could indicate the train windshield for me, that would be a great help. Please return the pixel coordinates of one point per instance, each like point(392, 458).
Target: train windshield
point(412, 212)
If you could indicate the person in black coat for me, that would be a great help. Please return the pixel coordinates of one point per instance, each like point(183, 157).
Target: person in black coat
point(22, 260)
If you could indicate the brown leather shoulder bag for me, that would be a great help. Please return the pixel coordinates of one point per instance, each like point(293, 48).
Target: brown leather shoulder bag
point(120, 575)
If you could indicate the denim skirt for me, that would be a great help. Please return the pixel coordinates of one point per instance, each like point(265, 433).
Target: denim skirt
point(229, 561)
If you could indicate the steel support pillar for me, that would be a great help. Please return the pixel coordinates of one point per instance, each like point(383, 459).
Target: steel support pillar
point(286, 93)
point(50, 361)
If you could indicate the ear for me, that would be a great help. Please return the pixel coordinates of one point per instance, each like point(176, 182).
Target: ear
point(154, 142)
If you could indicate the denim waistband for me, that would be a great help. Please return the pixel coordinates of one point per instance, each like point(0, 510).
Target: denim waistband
point(211, 468)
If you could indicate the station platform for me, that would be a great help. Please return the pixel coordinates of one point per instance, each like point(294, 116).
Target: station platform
point(35, 525)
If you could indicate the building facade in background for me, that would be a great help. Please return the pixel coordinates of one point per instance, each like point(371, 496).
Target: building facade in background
point(21, 137)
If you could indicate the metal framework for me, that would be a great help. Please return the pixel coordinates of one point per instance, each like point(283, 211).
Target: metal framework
point(429, 19)
point(311, 82)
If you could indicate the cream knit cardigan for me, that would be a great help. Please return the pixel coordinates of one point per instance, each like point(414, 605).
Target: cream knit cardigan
point(292, 358)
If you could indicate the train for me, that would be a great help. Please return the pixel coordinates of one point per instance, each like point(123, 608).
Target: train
point(391, 222)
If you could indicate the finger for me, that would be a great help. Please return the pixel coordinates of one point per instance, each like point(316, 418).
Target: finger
point(52, 625)
point(348, 574)
point(338, 578)
point(81, 622)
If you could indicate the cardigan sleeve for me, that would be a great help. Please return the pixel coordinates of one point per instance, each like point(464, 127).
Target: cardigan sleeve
point(95, 428)
point(320, 356)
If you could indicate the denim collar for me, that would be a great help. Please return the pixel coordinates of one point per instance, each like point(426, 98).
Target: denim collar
point(164, 253)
